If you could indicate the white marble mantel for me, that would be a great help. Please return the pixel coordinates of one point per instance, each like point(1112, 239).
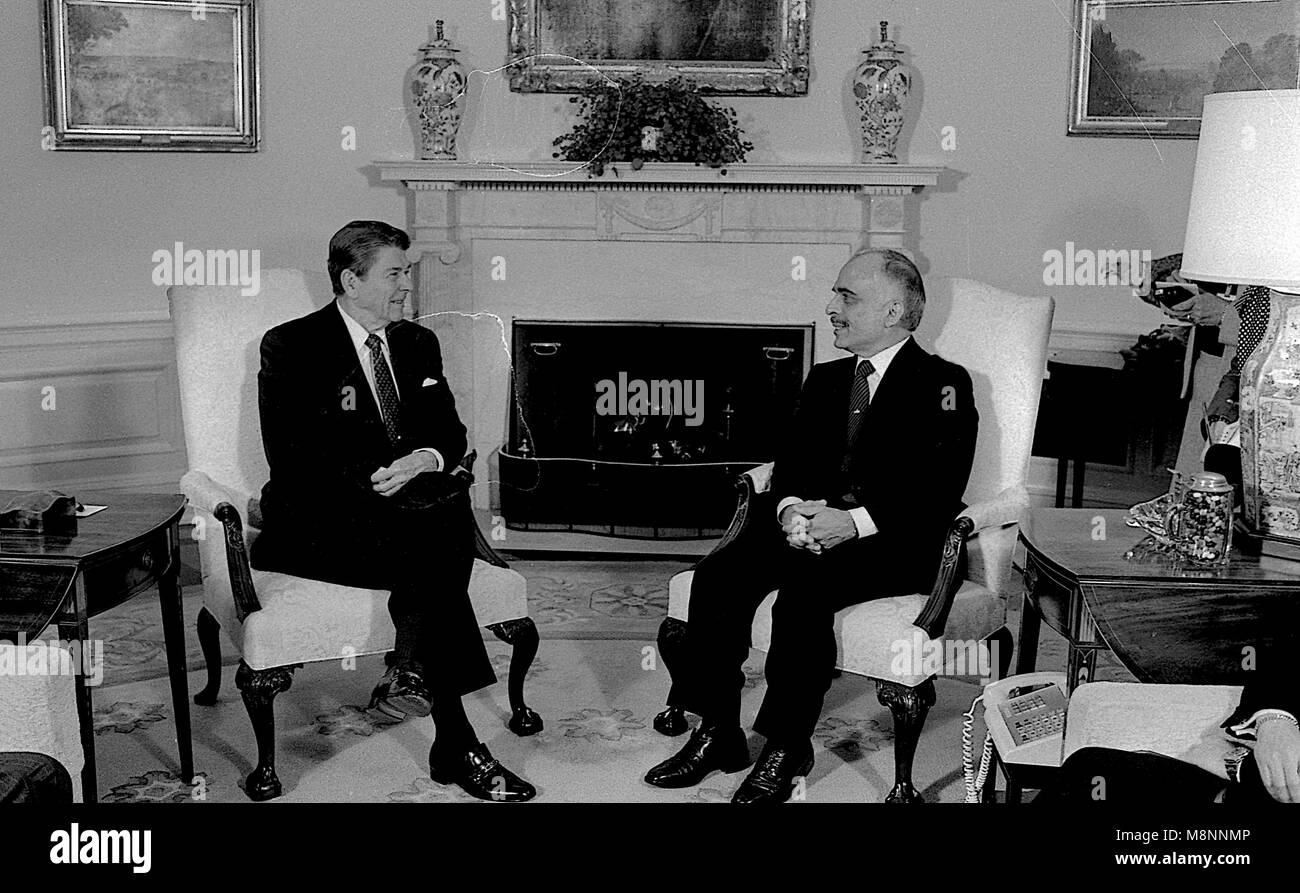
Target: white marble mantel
point(542, 240)
point(439, 223)
point(452, 174)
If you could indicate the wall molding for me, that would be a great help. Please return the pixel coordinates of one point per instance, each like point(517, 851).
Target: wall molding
point(91, 325)
point(1074, 339)
point(112, 420)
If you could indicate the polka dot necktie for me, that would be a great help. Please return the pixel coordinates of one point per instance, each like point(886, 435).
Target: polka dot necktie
point(859, 401)
point(386, 389)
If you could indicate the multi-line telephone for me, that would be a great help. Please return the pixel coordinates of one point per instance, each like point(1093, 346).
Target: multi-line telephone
point(1026, 717)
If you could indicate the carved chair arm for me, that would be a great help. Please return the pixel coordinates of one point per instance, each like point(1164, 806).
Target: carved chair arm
point(218, 500)
point(241, 573)
point(205, 494)
point(754, 499)
point(1008, 507)
point(482, 548)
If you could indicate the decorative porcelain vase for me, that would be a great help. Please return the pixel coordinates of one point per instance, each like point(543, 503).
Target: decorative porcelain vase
point(438, 86)
point(1270, 424)
point(880, 86)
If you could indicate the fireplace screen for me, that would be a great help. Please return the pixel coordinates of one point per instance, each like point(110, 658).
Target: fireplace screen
point(640, 429)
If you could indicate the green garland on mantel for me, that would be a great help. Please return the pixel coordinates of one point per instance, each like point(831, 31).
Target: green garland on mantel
point(612, 115)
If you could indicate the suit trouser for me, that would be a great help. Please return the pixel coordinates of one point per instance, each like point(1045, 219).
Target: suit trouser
point(1100, 774)
point(726, 592)
point(418, 545)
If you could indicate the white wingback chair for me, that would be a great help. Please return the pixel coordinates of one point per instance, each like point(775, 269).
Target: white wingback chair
point(277, 621)
point(1001, 339)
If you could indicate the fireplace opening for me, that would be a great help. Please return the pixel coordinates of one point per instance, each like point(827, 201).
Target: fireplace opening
point(639, 429)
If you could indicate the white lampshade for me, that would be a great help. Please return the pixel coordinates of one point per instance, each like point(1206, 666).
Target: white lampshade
point(1244, 222)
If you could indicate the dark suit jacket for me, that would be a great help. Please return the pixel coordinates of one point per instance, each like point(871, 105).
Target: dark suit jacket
point(1272, 687)
point(912, 460)
point(1278, 693)
point(324, 438)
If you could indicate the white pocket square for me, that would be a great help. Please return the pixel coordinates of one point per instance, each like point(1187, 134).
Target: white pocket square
point(429, 382)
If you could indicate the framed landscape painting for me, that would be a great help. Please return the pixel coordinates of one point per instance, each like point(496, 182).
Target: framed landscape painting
point(173, 75)
point(728, 47)
point(1143, 67)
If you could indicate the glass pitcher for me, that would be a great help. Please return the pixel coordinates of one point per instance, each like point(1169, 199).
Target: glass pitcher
point(1200, 525)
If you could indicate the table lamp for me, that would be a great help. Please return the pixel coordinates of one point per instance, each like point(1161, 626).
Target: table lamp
point(1243, 227)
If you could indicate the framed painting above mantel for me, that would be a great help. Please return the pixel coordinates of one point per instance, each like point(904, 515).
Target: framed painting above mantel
point(169, 75)
point(1142, 67)
point(727, 47)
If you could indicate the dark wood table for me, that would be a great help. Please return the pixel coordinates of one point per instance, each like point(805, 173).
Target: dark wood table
point(128, 548)
point(1101, 584)
point(1104, 585)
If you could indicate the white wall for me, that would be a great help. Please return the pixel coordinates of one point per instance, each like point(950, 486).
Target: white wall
point(78, 228)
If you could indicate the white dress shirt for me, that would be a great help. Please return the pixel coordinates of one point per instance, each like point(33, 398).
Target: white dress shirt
point(1248, 729)
point(359, 336)
point(880, 364)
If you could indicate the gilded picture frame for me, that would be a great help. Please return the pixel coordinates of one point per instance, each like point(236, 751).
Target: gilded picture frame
point(151, 75)
point(1141, 68)
point(727, 47)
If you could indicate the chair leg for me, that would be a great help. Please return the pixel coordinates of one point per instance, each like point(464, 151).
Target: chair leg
point(909, 707)
point(210, 641)
point(672, 632)
point(1000, 645)
point(521, 636)
point(259, 688)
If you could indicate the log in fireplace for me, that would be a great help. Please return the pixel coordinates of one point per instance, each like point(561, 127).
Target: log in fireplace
point(639, 429)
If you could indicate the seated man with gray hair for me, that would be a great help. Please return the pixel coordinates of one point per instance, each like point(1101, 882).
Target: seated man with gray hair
point(870, 474)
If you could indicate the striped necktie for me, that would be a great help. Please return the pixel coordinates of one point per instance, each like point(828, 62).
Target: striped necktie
point(386, 389)
point(859, 401)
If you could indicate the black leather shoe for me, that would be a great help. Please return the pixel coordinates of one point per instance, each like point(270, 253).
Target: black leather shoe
point(401, 693)
point(481, 776)
point(709, 748)
point(774, 774)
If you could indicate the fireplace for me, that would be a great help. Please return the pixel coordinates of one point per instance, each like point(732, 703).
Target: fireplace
point(752, 243)
point(640, 428)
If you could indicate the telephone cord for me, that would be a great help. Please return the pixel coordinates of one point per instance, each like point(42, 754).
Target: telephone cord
point(974, 781)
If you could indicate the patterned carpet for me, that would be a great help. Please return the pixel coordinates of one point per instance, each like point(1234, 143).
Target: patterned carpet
point(596, 682)
point(597, 698)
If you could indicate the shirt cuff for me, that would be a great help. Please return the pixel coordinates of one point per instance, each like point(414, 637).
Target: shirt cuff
point(862, 520)
point(437, 456)
point(1247, 728)
point(785, 504)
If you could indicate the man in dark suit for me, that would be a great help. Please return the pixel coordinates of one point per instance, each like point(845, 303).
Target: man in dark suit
point(1266, 769)
point(871, 474)
point(361, 433)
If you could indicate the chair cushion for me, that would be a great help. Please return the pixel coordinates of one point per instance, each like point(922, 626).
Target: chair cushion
point(877, 638)
point(1179, 721)
point(38, 713)
point(303, 620)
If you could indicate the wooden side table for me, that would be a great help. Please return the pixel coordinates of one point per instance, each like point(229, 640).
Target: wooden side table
point(128, 548)
point(1100, 584)
point(1096, 581)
